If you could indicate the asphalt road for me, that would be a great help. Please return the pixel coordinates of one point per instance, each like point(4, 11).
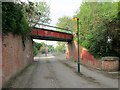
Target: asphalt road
point(49, 72)
point(53, 74)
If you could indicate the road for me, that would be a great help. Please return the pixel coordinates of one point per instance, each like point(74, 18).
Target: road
point(49, 72)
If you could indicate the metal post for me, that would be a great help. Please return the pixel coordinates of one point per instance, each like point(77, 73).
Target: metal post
point(78, 45)
point(46, 49)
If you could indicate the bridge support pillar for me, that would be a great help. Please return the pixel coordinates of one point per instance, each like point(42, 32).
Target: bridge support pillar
point(72, 51)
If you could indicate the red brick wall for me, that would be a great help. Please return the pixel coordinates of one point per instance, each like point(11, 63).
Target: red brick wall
point(15, 56)
point(86, 58)
point(110, 65)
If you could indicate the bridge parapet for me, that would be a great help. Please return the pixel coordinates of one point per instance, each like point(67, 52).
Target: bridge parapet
point(45, 34)
point(53, 35)
point(53, 28)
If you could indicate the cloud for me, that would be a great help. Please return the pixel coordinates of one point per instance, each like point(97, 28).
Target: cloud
point(61, 8)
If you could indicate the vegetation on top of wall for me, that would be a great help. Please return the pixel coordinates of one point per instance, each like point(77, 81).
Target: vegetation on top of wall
point(13, 19)
point(18, 17)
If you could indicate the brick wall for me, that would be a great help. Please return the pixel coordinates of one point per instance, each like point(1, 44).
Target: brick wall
point(16, 55)
point(87, 59)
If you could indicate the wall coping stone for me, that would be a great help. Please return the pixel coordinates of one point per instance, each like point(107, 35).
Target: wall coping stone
point(110, 58)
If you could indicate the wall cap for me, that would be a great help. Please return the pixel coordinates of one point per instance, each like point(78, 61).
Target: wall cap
point(110, 58)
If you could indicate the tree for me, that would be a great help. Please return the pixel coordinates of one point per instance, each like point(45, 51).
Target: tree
point(39, 48)
point(50, 48)
point(94, 27)
point(66, 23)
point(60, 48)
point(38, 12)
point(13, 19)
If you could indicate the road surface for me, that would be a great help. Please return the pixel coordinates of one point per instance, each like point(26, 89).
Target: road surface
point(49, 72)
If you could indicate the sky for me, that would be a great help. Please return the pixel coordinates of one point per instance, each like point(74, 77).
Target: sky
point(60, 8)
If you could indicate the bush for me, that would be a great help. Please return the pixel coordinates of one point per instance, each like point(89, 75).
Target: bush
point(13, 19)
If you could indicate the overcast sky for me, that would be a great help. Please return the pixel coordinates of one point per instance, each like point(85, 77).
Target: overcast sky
point(60, 8)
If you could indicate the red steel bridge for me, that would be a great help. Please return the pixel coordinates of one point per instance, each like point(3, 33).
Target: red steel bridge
point(46, 32)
